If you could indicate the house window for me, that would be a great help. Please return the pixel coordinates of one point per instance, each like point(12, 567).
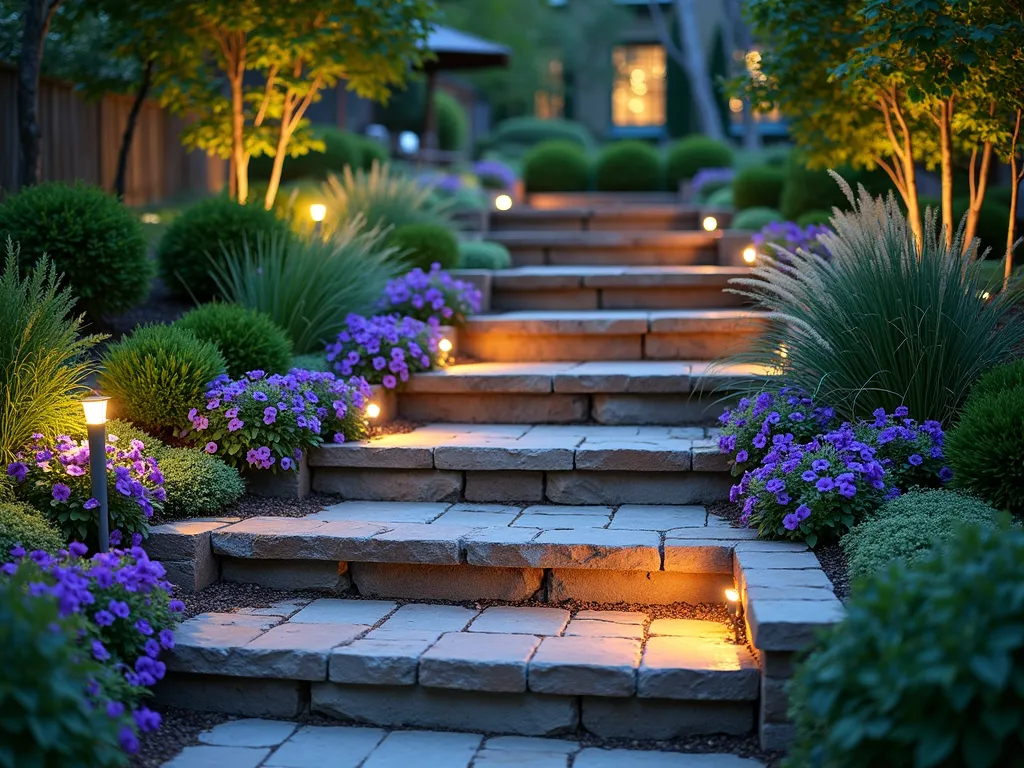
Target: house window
point(638, 91)
point(549, 102)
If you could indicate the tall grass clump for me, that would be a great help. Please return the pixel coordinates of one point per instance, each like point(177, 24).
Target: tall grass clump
point(309, 286)
point(43, 361)
point(382, 197)
point(886, 322)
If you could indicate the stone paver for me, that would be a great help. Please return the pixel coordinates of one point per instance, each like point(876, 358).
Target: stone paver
point(521, 620)
point(440, 618)
point(585, 666)
point(383, 511)
point(248, 733)
point(550, 522)
point(644, 517)
point(478, 662)
point(292, 651)
point(335, 746)
point(790, 625)
point(692, 667)
point(403, 749)
point(381, 657)
point(593, 628)
point(336, 611)
point(218, 757)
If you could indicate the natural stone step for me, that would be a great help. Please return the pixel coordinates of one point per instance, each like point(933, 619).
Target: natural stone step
point(602, 335)
point(570, 464)
point(503, 669)
point(625, 392)
point(595, 287)
point(611, 248)
point(561, 200)
point(606, 217)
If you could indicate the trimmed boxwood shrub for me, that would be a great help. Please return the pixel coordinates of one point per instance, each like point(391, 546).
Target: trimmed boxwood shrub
point(95, 243)
point(721, 197)
point(528, 131)
point(248, 340)
point(755, 218)
point(1000, 379)
point(628, 166)
point(926, 668)
point(908, 527)
point(426, 244)
point(807, 190)
point(452, 123)
point(480, 254)
point(157, 374)
point(556, 166)
point(985, 449)
point(201, 233)
point(759, 186)
point(196, 484)
point(21, 524)
point(689, 155)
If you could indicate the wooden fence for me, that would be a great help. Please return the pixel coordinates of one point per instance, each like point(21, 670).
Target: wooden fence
point(81, 139)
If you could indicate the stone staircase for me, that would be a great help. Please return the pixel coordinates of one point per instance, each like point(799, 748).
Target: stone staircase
point(518, 561)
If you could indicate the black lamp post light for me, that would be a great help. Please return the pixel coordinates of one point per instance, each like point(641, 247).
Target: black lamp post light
point(95, 408)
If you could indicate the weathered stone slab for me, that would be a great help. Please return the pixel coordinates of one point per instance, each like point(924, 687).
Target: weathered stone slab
point(297, 538)
point(774, 700)
point(324, 575)
point(381, 511)
point(577, 548)
point(509, 408)
point(474, 378)
point(504, 486)
point(479, 515)
point(638, 587)
point(540, 323)
point(513, 346)
point(527, 520)
point(698, 556)
point(436, 544)
point(651, 409)
point(604, 666)
point(595, 629)
point(255, 732)
point(633, 377)
point(418, 706)
point(446, 582)
point(759, 545)
point(498, 546)
point(478, 661)
point(248, 697)
point(223, 757)
point(790, 625)
point(699, 628)
point(662, 456)
point(696, 668)
point(389, 485)
point(776, 737)
point(615, 758)
point(193, 575)
point(206, 643)
point(510, 619)
point(615, 487)
point(785, 560)
point(781, 578)
point(336, 746)
point(371, 455)
point(789, 593)
point(429, 617)
point(333, 611)
point(382, 657)
point(291, 651)
point(650, 517)
point(402, 749)
point(636, 718)
point(183, 539)
point(520, 455)
point(707, 457)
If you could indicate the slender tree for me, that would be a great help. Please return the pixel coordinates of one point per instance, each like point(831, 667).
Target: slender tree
point(36, 18)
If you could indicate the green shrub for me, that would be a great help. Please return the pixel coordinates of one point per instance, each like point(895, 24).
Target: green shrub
point(21, 524)
point(755, 218)
point(809, 218)
point(248, 340)
point(721, 198)
point(195, 242)
point(307, 286)
point(126, 432)
point(341, 148)
point(807, 190)
point(526, 132)
point(452, 122)
point(157, 374)
point(628, 166)
point(985, 449)
point(908, 527)
point(196, 483)
point(372, 152)
point(853, 337)
point(96, 244)
point(999, 379)
point(49, 720)
point(43, 356)
point(480, 254)
point(556, 166)
point(689, 155)
point(382, 197)
point(759, 186)
point(925, 670)
point(312, 362)
point(426, 244)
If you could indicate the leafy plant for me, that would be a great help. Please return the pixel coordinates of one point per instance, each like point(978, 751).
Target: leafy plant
point(21, 524)
point(628, 166)
point(525, 132)
point(43, 356)
point(312, 362)
point(756, 218)
point(908, 527)
point(758, 186)
point(423, 245)
point(380, 197)
point(925, 670)
point(95, 243)
point(883, 324)
point(196, 484)
point(195, 242)
point(157, 374)
point(452, 122)
point(494, 174)
point(248, 340)
point(556, 166)
point(695, 153)
point(385, 349)
point(480, 254)
point(707, 181)
point(433, 297)
point(309, 286)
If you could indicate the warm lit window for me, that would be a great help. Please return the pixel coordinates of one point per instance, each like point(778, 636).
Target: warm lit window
point(550, 103)
point(638, 93)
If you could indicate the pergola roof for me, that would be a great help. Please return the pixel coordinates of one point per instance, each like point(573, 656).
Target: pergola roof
point(460, 50)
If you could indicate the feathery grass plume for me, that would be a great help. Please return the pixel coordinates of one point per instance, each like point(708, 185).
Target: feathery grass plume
point(43, 359)
point(308, 286)
point(884, 323)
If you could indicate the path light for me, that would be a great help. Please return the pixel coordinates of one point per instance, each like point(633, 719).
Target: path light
point(372, 411)
point(95, 408)
point(750, 254)
point(444, 345)
point(735, 610)
point(503, 202)
point(985, 295)
point(710, 223)
point(317, 212)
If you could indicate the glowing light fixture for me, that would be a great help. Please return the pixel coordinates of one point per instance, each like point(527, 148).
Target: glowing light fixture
point(372, 411)
point(445, 345)
point(95, 408)
point(150, 218)
point(317, 212)
point(710, 223)
point(985, 295)
point(732, 595)
point(503, 202)
point(735, 610)
point(750, 254)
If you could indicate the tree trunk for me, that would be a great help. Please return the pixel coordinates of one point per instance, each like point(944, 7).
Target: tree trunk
point(238, 138)
point(36, 22)
point(946, 153)
point(977, 192)
point(129, 130)
point(1015, 180)
point(737, 38)
point(280, 153)
point(696, 68)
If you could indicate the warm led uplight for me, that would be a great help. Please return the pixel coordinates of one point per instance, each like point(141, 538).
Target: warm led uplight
point(317, 211)
point(985, 295)
point(732, 595)
point(503, 202)
point(445, 345)
point(710, 223)
point(95, 408)
point(373, 410)
point(750, 254)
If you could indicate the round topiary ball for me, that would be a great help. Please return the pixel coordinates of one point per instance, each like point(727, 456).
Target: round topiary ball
point(689, 155)
point(196, 483)
point(157, 374)
point(999, 379)
point(426, 244)
point(21, 524)
point(248, 340)
point(96, 243)
point(754, 219)
point(628, 166)
point(197, 239)
point(759, 186)
point(556, 166)
point(480, 254)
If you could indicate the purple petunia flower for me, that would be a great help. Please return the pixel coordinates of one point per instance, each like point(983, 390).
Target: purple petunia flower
point(915, 459)
point(99, 652)
point(825, 484)
point(791, 522)
point(742, 456)
point(61, 492)
point(211, 447)
point(945, 474)
point(802, 512)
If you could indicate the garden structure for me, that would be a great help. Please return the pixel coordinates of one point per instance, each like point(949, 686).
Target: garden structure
point(474, 560)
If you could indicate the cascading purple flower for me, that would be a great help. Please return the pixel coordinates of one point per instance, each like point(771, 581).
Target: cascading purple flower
point(433, 297)
point(354, 350)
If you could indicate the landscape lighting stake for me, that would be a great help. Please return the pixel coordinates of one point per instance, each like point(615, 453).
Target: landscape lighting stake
point(710, 223)
point(317, 212)
point(503, 202)
point(372, 411)
point(95, 408)
point(750, 254)
point(735, 610)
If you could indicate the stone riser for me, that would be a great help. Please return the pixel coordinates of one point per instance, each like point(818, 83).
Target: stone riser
point(710, 297)
point(627, 255)
point(510, 347)
point(619, 409)
point(524, 714)
point(557, 487)
point(670, 221)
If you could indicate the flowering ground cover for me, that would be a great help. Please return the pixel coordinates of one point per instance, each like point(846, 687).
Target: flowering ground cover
point(433, 297)
point(385, 349)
